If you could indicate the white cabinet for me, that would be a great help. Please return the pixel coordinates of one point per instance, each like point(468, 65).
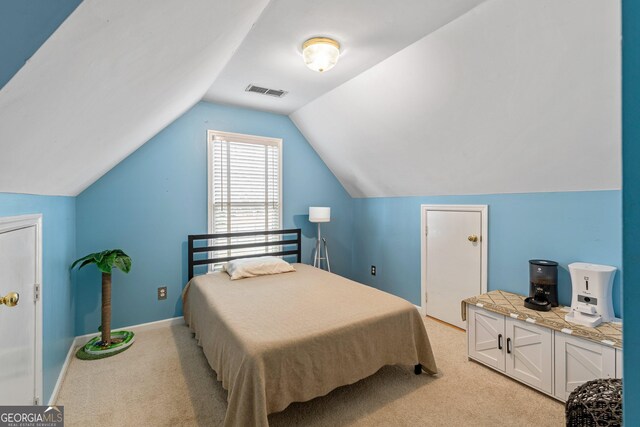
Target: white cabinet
point(618, 363)
point(579, 361)
point(519, 349)
point(550, 361)
point(530, 354)
point(486, 338)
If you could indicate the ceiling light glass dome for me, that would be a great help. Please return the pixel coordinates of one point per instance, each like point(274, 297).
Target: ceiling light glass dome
point(320, 53)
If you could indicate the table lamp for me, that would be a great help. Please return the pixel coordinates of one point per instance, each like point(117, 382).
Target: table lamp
point(319, 215)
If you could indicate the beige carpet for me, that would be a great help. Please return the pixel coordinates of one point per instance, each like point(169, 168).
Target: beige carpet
point(164, 380)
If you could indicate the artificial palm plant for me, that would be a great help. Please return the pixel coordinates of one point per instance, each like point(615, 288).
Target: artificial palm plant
point(106, 261)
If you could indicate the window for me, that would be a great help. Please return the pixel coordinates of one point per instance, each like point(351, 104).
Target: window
point(244, 185)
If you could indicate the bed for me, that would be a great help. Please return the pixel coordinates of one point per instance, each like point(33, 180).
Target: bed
point(277, 339)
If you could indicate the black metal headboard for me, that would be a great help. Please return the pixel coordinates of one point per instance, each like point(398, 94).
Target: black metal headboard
point(194, 250)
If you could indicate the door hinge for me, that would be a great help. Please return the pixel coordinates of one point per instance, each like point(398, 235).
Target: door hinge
point(36, 400)
point(36, 292)
point(426, 230)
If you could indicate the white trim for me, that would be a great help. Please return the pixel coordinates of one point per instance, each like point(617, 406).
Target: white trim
point(420, 310)
point(210, 136)
point(11, 223)
point(241, 137)
point(62, 374)
point(81, 339)
point(484, 244)
point(140, 327)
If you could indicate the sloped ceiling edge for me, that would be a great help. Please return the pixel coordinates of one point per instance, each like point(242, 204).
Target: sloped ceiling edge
point(113, 75)
point(511, 97)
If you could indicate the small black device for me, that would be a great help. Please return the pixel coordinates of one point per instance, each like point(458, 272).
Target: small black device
point(543, 285)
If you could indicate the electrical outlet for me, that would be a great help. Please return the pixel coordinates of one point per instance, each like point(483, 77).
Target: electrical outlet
point(162, 292)
point(373, 270)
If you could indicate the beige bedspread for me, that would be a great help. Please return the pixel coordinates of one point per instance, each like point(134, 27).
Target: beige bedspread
point(290, 337)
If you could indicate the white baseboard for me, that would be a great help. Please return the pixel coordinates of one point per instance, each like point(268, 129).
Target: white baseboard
point(141, 327)
point(63, 372)
point(81, 339)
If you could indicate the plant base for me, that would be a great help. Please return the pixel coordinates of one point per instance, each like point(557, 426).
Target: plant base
point(94, 349)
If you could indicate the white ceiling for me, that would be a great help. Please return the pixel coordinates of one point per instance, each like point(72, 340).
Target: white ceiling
point(429, 97)
point(514, 96)
point(368, 30)
point(114, 74)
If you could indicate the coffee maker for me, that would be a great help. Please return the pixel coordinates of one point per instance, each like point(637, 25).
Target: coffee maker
point(543, 285)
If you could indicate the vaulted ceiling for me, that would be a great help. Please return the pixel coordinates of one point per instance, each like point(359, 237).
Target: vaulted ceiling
point(369, 31)
point(24, 26)
point(429, 96)
point(514, 96)
point(109, 78)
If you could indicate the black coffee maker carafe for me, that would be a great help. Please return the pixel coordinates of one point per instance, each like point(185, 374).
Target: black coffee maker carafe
point(543, 285)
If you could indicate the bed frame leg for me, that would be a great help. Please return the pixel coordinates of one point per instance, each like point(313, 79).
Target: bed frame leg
point(417, 369)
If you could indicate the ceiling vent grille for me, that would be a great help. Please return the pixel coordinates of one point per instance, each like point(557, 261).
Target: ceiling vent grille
point(265, 91)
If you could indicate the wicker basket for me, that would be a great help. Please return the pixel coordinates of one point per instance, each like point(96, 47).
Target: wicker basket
point(595, 403)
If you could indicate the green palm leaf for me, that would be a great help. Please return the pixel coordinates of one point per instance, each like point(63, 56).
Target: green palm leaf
point(106, 260)
point(123, 263)
point(88, 259)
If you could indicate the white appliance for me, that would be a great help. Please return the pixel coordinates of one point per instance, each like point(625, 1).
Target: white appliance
point(591, 303)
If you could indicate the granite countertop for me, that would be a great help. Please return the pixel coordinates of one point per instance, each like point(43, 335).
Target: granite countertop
point(512, 305)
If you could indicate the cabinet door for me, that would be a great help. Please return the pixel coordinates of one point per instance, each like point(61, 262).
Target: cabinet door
point(486, 337)
point(530, 354)
point(618, 363)
point(579, 361)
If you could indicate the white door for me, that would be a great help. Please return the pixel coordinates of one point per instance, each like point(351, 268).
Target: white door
point(579, 361)
point(453, 262)
point(529, 354)
point(486, 337)
point(18, 271)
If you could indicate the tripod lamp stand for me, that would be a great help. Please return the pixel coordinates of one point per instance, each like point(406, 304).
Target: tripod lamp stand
point(319, 215)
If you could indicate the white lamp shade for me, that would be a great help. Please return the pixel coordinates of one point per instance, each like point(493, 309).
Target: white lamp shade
point(317, 214)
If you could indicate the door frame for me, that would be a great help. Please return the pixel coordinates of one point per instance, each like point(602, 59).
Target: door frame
point(484, 244)
point(12, 223)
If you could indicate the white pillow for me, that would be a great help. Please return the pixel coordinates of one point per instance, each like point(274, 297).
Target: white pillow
point(259, 266)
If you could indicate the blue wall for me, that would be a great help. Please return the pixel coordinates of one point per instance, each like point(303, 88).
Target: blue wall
point(149, 203)
point(565, 227)
point(58, 251)
point(631, 203)
point(24, 27)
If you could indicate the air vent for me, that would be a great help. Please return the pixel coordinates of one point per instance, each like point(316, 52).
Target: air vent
point(265, 91)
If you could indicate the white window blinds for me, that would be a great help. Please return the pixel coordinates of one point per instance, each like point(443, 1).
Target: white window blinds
point(245, 187)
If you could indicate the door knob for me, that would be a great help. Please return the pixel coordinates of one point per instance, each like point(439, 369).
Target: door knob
point(473, 238)
point(10, 300)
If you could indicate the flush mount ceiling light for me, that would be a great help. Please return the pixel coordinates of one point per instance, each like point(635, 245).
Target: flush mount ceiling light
point(320, 53)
